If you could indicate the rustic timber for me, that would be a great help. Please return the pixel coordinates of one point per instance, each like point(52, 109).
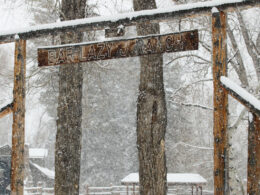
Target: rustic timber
point(17, 172)
point(156, 44)
point(253, 165)
point(129, 19)
point(219, 41)
point(6, 110)
point(242, 100)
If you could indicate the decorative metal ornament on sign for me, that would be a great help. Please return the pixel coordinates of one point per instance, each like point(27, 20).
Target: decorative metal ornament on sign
point(122, 48)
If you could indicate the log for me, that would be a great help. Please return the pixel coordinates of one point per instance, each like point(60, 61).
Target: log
point(253, 165)
point(219, 40)
point(241, 95)
point(6, 110)
point(129, 19)
point(17, 171)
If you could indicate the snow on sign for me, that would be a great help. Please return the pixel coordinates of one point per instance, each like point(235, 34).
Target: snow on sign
point(121, 48)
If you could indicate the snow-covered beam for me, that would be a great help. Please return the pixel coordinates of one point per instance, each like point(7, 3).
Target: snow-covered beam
point(128, 19)
point(6, 110)
point(245, 98)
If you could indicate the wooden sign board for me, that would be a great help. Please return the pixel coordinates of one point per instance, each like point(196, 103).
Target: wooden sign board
point(85, 52)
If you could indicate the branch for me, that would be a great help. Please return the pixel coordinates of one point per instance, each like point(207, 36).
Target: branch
point(186, 56)
point(205, 46)
point(193, 146)
point(192, 105)
point(183, 87)
point(239, 119)
point(241, 71)
point(248, 43)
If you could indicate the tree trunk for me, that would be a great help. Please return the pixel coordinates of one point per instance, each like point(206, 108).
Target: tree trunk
point(68, 138)
point(151, 115)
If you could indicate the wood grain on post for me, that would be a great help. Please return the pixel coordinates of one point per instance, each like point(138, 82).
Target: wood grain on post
point(253, 166)
point(220, 103)
point(17, 171)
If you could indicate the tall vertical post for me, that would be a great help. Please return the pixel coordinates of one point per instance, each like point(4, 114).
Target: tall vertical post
point(253, 166)
point(220, 103)
point(17, 171)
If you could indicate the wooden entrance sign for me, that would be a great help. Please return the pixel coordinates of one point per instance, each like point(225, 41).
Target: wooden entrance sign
point(122, 48)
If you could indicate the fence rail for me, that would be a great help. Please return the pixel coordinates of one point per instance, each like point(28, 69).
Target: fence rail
point(38, 191)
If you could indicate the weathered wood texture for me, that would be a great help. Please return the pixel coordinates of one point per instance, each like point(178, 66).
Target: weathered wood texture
point(6, 110)
point(69, 111)
point(253, 165)
point(173, 42)
point(151, 115)
point(100, 23)
point(17, 171)
point(243, 101)
point(220, 104)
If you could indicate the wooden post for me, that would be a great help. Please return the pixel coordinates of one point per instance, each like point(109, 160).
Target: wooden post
point(220, 104)
point(253, 166)
point(17, 172)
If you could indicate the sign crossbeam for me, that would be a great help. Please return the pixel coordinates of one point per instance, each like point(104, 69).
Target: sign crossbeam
point(154, 44)
point(129, 19)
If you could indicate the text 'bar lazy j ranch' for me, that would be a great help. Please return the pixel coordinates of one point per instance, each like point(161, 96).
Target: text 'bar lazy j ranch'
point(154, 44)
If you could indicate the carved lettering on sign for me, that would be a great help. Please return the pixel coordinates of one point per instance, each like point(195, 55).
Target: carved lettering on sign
point(153, 44)
point(100, 55)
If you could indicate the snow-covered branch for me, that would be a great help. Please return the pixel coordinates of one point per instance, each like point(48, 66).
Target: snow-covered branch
point(192, 105)
point(188, 85)
point(193, 146)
